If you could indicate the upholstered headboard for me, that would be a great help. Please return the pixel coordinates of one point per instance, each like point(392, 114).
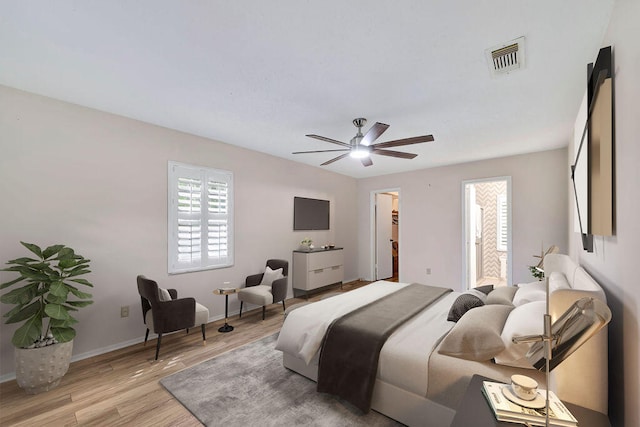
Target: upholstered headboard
point(583, 377)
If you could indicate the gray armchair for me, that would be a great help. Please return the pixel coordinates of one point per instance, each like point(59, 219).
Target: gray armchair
point(164, 313)
point(257, 294)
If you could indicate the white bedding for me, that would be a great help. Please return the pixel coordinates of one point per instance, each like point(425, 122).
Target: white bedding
point(402, 370)
point(304, 328)
point(404, 357)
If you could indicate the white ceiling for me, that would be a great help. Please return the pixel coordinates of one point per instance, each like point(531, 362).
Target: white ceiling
point(262, 74)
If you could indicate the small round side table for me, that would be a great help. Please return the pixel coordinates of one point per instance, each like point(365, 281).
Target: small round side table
point(226, 292)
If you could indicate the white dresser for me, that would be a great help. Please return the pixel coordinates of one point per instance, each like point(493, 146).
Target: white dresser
point(317, 268)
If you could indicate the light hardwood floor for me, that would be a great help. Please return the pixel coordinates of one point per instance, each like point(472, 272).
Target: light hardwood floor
point(121, 387)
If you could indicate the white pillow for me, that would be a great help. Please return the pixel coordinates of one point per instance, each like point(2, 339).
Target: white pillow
point(527, 319)
point(271, 275)
point(529, 292)
point(557, 281)
point(163, 294)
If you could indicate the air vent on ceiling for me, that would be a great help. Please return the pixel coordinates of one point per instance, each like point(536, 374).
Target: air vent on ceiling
point(506, 57)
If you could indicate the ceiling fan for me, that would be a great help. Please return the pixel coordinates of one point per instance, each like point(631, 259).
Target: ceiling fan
point(361, 146)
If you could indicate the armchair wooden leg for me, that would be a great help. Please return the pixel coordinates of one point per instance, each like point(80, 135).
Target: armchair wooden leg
point(204, 338)
point(146, 336)
point(284, 308)
point(241, 302)
point(158, 345)
point(264, 308)
point(187, 330)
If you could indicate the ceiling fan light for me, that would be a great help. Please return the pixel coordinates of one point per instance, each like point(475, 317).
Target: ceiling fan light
point(359, 153)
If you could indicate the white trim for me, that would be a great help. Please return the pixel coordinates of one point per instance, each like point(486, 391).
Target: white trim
point(372, 230)
point(204, 217)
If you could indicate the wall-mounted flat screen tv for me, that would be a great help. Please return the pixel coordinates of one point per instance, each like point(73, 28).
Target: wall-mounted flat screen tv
point(310, 214)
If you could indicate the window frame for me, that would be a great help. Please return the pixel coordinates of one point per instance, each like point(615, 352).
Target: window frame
point(502, 221)
point(205, 175)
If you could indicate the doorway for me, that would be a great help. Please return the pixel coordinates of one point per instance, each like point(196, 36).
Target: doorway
point(385, 222)
point(487, 232)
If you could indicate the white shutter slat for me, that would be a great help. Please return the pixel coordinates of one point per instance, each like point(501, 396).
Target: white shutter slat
point(200, 218)
point(502, 232)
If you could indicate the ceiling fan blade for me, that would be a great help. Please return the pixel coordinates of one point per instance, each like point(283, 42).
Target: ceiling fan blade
point(320, 151)
point(392, 153)
point(373, 133)
point(324, 138)
point(335, 159)
point(405, 141)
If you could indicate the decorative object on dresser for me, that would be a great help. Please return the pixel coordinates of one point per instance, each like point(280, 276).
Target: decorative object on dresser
point(317, 268)
point(44, 343)
point(164, 312)
point(266, 288)
point(306, 244)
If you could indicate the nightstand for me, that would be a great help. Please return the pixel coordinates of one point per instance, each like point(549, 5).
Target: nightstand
point(474, 410)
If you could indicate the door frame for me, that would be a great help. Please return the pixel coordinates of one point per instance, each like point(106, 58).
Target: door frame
point(372, 229)
point(465, 237)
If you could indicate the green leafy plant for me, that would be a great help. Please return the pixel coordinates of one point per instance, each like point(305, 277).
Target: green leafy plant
point(535, 272)
point(51, 280)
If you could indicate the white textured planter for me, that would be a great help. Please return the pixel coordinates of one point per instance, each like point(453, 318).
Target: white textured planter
point(41, 369)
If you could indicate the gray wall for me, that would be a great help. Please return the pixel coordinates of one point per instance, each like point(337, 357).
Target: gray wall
point(98, 183)
point(614, 262)
point(431, 214)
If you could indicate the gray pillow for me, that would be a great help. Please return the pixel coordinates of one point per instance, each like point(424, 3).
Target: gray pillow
point(465, 302)
point(476, 336)
point(502, 295)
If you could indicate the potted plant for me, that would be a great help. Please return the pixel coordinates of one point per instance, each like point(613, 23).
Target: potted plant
point(306, 244)
point(44, 296)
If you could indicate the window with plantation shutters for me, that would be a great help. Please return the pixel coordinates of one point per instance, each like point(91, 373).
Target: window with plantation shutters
point(200, 218)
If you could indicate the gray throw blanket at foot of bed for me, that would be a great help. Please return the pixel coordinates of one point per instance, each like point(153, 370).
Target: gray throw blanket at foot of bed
point(349, 357)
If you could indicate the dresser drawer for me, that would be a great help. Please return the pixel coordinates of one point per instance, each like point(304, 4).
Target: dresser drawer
point(324, 276)
point(325, 259)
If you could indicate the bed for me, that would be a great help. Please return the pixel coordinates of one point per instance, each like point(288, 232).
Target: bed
point(426, 364)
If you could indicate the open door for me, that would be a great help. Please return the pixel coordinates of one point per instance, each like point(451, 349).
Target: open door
point(384, 236)
point(487, 232)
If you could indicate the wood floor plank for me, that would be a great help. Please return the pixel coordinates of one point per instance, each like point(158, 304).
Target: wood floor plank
point(121, 388)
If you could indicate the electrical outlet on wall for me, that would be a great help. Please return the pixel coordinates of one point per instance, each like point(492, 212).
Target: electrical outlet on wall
point(428, 270)
point(124, 311)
